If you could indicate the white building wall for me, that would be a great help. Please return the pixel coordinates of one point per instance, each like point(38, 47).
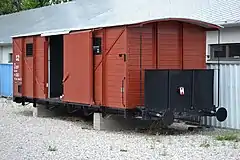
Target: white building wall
point(227, 35)
point(1, 53)
point(229, 95)
point(4, 53)
point(229, 80)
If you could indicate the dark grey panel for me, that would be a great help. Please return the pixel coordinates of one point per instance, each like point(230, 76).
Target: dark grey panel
point(203, 88)
point(162, 90)
point(180, 79)
point(156, 89)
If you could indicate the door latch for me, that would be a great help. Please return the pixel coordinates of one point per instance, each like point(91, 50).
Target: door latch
point(124, 56)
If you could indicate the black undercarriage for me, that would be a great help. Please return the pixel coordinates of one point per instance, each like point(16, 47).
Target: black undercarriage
point(169, 95)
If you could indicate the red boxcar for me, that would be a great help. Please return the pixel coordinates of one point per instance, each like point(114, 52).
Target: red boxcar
point(103, 69)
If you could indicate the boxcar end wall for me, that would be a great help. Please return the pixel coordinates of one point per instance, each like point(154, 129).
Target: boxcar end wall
point(105, 67)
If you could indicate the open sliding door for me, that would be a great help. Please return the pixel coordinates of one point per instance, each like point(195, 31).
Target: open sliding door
point(78, 67)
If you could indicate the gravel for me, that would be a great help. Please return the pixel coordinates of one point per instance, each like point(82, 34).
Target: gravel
point(24, 137)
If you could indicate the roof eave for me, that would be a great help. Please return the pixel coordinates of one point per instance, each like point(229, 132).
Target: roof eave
point(231, 24)
point(208, 26)
point(5, 43)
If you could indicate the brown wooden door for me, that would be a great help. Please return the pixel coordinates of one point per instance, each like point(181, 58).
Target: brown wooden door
point(78, 67)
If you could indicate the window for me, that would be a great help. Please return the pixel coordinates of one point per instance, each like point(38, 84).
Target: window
point(225, 51)
point(234, 50)
point(97, 45)
point(10, 58)
point(29, 49)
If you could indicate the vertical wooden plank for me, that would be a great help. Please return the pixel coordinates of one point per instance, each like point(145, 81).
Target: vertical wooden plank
point(91, 69)
point(155, 46)
point(78, 83)
point(181, 54)
point(103, 67)
point(46, 67)
point(23, 66)
point(34, 66)
point(125, 89)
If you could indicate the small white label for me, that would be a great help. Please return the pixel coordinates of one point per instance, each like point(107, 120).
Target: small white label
point(181, 91)
point(17, 57)
point(16, 74)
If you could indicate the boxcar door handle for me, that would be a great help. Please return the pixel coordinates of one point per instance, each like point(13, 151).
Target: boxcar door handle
point(66, 78)
point(122, 90)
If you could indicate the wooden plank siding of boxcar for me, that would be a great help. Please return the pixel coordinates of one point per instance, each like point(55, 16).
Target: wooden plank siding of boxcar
point(27, 70)
point(169, 49)
point(165, 45)
point(17, 67)
point(108, 71)
point(194, 40)
point(78, 67)
point(133, 62)
point(33, 69)
point(98, 74)
point(39, 68)
point(114, 69)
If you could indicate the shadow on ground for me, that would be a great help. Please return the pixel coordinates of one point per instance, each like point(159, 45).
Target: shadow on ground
point(28, 113)
point(87, 123)
point(76, 118)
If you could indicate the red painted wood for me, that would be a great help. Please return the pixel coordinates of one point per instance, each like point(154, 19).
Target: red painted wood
point(181, 45)
point(27, 70)
point(168, 45)
point(78, 66)
point(45, 50)
point(34, 78)
point(39, 67)
point(155, 47)
point(194, 46)
point(165, 45)
point(17, 65)
point(98, 74)
point(133, 62)
point(114, 66)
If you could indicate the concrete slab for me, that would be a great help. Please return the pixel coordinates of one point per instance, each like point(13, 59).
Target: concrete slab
point(41, 111)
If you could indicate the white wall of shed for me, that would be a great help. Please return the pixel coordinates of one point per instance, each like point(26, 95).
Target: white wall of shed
point(229, 95)
point(227, 35)
point(229, 79)
point(4, 53)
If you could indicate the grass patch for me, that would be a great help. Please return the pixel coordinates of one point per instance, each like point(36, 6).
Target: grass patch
point(228, 137)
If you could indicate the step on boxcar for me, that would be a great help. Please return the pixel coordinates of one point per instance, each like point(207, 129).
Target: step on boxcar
point(150, 70)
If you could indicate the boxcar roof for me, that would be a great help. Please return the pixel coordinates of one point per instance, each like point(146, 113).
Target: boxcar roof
point(85, 14)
